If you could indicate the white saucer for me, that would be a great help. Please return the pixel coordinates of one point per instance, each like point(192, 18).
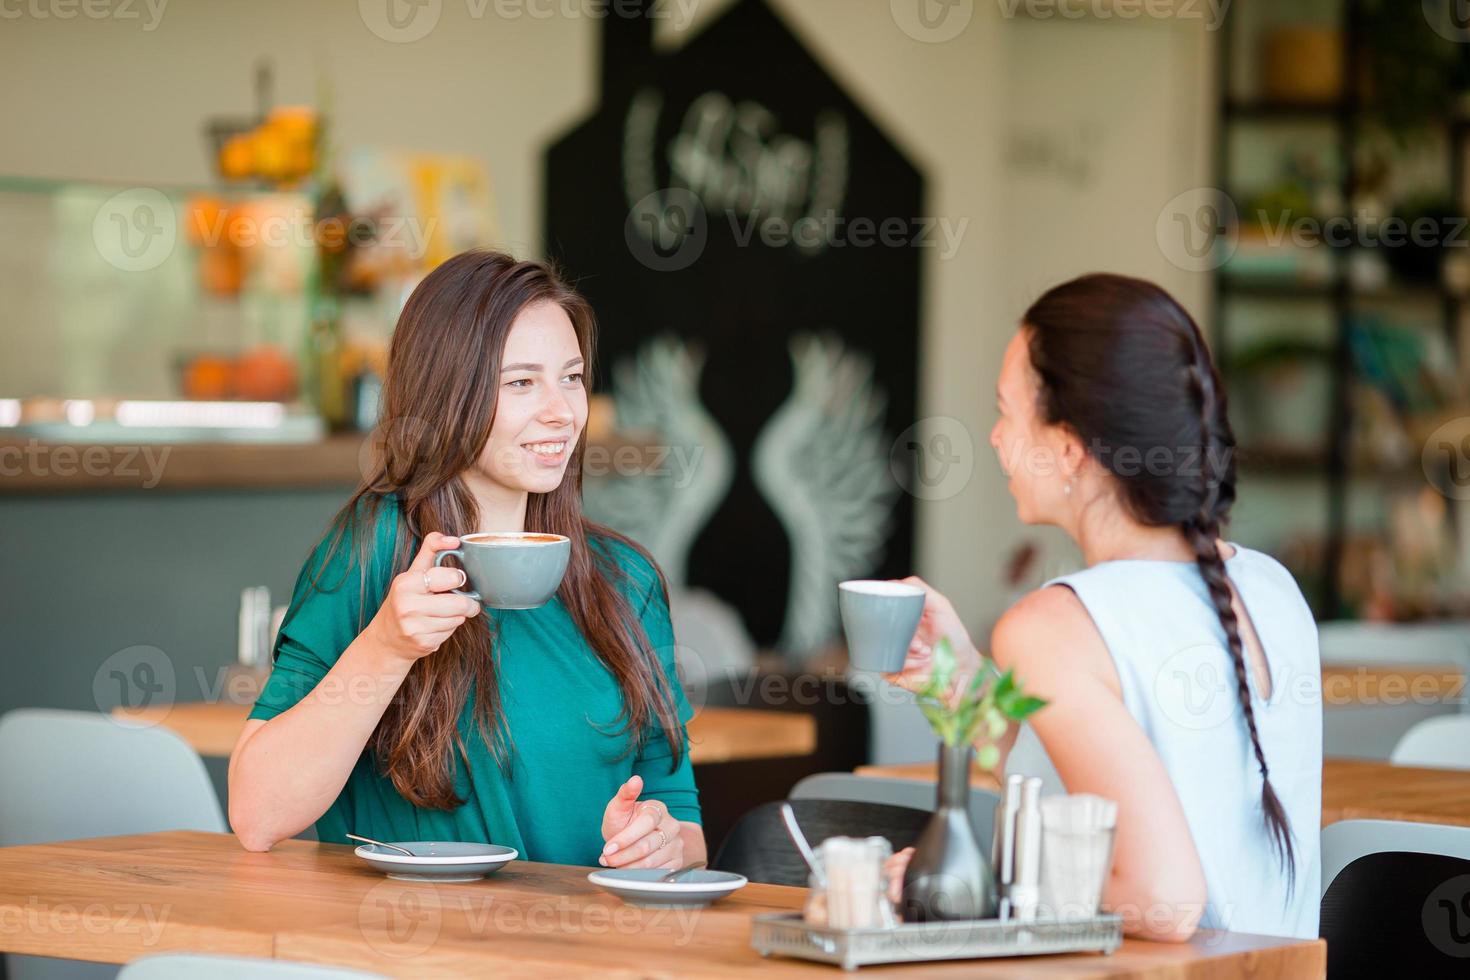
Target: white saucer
point(640, 886)
point(439, 861)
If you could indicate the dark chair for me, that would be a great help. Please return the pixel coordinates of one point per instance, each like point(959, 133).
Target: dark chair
point(1396, 901)
point(917, 793)
point(727, 790)
point(759, 847)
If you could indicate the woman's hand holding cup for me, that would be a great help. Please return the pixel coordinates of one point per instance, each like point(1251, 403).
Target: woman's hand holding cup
point(939, 620)
point(420, 611)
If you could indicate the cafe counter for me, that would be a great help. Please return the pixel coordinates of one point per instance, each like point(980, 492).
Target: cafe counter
point(129, 557)
point(30, 466)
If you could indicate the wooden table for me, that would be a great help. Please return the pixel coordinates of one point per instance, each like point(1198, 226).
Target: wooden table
point(1356, 685)
point(1352, 789)
point(733, 734)
point(715, 734)
point(111, 899)
point(927, 772)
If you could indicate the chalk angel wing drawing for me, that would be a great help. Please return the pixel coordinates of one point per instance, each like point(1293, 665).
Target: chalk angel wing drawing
point(667, 503)
point(821, 463)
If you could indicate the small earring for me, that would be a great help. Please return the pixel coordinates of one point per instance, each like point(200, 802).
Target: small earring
point(1067, 488)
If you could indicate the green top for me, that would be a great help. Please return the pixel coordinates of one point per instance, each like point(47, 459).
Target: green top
point(560, 703)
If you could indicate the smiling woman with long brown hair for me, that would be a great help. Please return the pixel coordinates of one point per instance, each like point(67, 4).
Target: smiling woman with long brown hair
point(400, 710)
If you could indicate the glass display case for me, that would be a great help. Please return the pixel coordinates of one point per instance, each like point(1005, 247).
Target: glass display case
point(174, 294)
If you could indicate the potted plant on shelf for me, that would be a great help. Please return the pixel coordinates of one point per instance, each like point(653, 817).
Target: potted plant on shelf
point(949, 875)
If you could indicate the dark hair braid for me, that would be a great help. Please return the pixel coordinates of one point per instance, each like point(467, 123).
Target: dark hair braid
point(1123, 365)
point(1202, 531)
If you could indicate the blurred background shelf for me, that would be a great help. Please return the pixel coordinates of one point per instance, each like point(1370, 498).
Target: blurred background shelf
point(1311, 463)
point(1341, 125)
point(1285, 288)
point(1269, 110)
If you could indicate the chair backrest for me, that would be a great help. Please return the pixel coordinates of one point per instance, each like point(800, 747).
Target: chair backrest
point(1442, 742)
point(840, 713)
point(1396, 899)
point(188, 966)
point(759, 847)
point(916, 794)
point(71, 774)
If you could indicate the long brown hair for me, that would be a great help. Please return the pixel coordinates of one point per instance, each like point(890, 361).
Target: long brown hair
point(438, 405)
point(1126, 368)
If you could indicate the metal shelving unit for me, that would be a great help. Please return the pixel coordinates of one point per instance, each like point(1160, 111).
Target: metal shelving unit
point(1333, 465)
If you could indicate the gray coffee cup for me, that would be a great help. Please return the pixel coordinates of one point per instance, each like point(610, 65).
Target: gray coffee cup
point(511, 569)
point(879, 618)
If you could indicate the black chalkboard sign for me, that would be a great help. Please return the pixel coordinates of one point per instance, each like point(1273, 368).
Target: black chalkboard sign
point(751, 243)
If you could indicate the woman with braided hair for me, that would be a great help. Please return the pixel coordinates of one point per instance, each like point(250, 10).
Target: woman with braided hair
point(1181, 672)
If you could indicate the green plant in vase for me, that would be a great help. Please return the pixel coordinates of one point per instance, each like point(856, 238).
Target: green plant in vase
point(949, 876)
point(989, 703)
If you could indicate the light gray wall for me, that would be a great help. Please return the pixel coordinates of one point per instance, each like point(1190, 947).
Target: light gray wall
point(87, 576)
point(86, 580)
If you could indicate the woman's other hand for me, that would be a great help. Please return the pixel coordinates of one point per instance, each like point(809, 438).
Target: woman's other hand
point(938, 621)
point(893, 872)
point(640, 833)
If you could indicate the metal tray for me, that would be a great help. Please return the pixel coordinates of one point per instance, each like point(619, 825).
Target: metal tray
point(786, 934)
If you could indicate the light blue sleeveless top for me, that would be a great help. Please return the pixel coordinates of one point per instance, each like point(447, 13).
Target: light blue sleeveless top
point(1178, 682)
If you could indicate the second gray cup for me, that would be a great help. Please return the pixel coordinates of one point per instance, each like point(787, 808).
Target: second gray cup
point(511, 569)
point(879, 618)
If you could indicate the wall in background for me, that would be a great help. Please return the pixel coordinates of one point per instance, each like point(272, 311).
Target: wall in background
point(86, 579)
point(1107, 120)
point(998, 117)
point(113, 598)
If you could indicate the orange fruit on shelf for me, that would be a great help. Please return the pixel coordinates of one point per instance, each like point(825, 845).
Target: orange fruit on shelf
point(293, 121)
point(208, 377)
point(204, 220)
point(265, 374)
point(246, 222)
point(272, 154)
point(303, 159)
point(221, 270)
point(237, 157)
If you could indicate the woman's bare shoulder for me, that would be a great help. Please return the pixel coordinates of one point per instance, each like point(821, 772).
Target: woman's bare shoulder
point(1050, 631)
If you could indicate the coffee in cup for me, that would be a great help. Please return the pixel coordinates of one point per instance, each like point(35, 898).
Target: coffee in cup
point(511, 569)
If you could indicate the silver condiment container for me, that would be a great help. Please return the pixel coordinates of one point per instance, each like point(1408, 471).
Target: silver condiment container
point(1025, 890)
point(1003, 840)
point(254, 638)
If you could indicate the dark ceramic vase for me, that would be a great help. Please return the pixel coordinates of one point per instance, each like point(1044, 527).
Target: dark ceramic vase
point(949, 876)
